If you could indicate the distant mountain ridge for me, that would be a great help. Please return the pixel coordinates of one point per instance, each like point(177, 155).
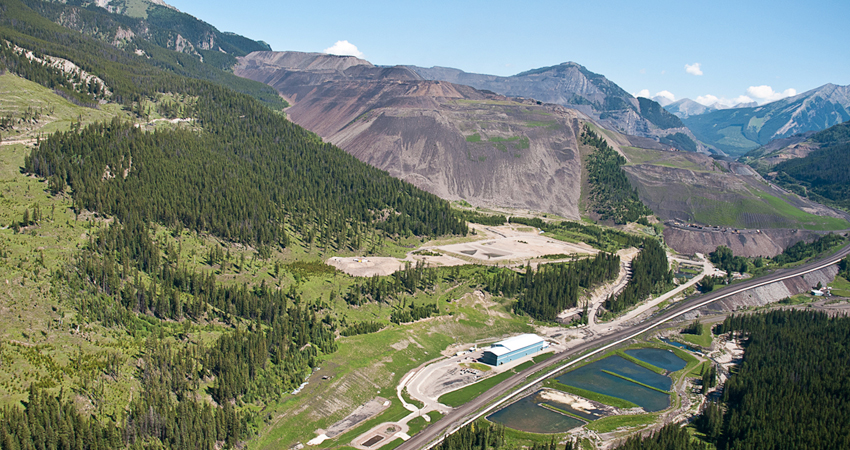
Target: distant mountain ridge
point(736, 131)
point(686, 107)
point(571, 85)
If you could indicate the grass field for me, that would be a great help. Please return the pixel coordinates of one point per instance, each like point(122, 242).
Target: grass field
point(840, 287)
point(418, 423)
point(678, 160)
point(463, 395)
point(702, 340)
point(612, 423)
point(56, 114)
point(519, 439)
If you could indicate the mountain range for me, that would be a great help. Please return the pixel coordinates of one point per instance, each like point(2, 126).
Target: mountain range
point(171, 234)
point(573, 86)
point(739, 130)
point(491, 150)
point(686, 107)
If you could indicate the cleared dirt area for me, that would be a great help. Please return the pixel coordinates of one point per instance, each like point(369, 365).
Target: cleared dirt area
point(504, 245)
point(363, 412)
point(380, 435)
point(522, 246)
point(366, 267)
point(573, 401)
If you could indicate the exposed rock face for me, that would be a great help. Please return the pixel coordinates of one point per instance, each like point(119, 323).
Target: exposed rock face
point(570, 85)
point(744, 243)
point(152, 20)
point(452, 140)
point(774, 292)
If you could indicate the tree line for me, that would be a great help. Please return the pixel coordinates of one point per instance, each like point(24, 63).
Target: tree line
point(546, 292)
point(650, 275)
point(605, 239)
point(791, 389)
point(611, 193)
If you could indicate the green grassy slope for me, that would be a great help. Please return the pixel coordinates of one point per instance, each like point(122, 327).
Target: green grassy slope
point(691, 187)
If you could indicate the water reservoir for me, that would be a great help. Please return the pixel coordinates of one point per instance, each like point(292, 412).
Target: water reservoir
point(601, 377)
point(529, 414)
point(658, 357)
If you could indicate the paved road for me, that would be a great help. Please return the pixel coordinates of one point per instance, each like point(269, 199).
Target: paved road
point(472, 410)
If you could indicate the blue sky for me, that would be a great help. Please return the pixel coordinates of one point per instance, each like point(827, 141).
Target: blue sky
point(725, 50)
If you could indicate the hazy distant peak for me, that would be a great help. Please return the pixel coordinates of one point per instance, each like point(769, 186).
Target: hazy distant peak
point(746, 105)
point(661, 100)
point(686, 107)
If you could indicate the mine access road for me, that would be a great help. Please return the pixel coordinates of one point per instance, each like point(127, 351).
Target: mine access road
point(474, 409)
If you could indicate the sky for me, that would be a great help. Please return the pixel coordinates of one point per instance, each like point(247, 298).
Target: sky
point(708, 51)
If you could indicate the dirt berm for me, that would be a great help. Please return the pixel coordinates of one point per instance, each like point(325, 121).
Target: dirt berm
point(770, 293)
point(744, 243)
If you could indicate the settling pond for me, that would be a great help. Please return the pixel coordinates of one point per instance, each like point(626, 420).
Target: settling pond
point(613, 376)
point(531, 414)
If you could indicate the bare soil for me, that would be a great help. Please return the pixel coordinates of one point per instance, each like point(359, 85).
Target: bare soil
point(768, 242)
point(362, 413)
point(526, 155)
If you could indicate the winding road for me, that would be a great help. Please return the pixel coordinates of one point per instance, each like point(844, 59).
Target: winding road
point(475, 409)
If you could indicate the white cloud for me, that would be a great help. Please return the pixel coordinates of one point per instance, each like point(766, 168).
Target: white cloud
point(765, 94)
point(344, 48)
point(707, 100)
point(666, 94)
point(741, 99)
point(642, 93)
point(693, 69)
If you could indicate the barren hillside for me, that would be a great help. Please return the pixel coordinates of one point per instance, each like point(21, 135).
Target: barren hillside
point(452, 140)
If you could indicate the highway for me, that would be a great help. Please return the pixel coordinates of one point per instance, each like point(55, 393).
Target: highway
point(461, 416)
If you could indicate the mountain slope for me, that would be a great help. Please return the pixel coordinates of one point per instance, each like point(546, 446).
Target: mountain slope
point(142, 253)
point(685, 188)
point(572, 85)
point(153, 21)
point(814, 165)
point(449, 139)
point(128, 49)
point(736, 131)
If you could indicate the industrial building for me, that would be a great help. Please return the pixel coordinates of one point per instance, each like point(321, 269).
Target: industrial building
point(514, 348)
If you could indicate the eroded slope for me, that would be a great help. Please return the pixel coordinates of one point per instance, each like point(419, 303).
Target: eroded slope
point(452, 140)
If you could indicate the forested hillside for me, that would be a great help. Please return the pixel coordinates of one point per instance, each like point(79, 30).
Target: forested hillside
point(791, 390)
point(552, 288)
point(610, 196)
point(823, 175)
point(178, 354)
point(650, 275)
point(122, 20)
point(140, 68)
point(815, 168)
